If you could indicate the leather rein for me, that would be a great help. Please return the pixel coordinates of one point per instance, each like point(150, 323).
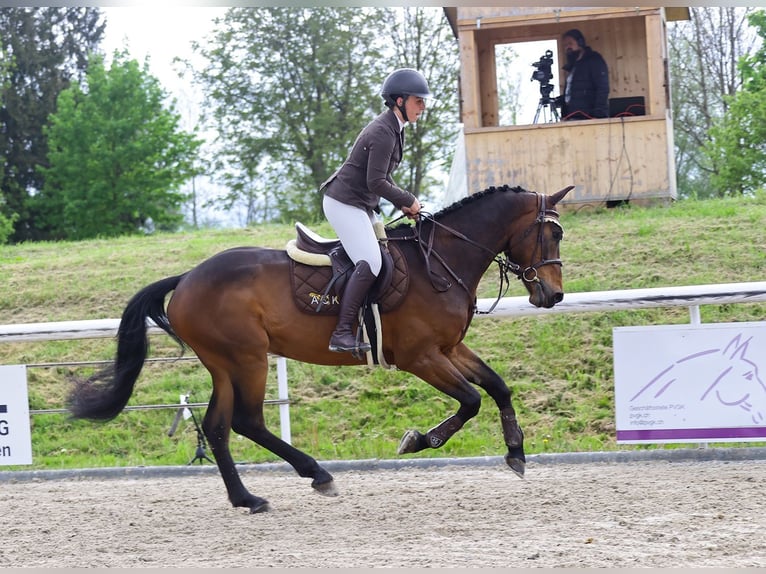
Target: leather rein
point(505, 265)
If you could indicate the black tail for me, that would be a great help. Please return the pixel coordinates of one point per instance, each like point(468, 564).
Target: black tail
point(105, 394)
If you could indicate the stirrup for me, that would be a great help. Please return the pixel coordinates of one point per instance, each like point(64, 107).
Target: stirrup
point(360, 347)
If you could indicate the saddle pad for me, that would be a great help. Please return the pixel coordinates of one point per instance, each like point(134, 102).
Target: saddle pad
point(310, 282)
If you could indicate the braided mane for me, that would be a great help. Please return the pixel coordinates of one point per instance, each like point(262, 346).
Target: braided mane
point(475, 197)
point(468, 200)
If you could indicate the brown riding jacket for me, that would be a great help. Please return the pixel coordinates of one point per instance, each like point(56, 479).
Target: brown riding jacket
point(365, 176)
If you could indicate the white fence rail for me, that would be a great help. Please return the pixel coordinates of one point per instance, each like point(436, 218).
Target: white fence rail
point(691, 297)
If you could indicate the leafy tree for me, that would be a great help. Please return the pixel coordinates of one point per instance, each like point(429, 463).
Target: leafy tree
point(737, 144)
point(6, 222)
point(288, 89)
point(44, 49)
point(704, 52)
point(422, 39)
point(117, 155)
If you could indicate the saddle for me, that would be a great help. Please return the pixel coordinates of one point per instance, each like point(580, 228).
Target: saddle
point(320, 269)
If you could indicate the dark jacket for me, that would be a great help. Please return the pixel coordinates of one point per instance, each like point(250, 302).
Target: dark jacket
point(589, 89)
point(365, 176)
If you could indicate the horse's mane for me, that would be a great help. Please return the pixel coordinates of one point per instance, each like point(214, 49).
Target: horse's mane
point(473, 198)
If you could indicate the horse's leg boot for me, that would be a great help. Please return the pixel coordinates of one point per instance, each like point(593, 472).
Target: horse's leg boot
point(360, 282)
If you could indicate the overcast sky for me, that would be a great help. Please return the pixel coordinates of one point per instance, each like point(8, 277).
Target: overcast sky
point(162, 33)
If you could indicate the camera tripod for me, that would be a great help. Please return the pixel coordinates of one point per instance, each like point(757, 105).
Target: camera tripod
point(549, 108)
point(201, 453)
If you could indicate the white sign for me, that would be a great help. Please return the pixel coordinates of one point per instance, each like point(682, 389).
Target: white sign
point(15, 435)
point(690, 383)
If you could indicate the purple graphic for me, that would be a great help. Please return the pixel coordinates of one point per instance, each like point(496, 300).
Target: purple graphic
point(714, 393)
point(736, 384)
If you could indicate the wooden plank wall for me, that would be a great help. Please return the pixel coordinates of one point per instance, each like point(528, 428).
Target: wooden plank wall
point(607, 160)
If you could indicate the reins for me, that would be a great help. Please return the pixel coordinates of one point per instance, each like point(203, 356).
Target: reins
point(505, 265)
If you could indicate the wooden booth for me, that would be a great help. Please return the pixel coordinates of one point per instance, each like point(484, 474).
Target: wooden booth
point(626, 157)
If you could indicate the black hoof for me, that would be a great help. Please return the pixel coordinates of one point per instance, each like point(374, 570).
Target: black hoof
point(516, 465)
point(412, 441)
point(325, 488)
point(258, 505)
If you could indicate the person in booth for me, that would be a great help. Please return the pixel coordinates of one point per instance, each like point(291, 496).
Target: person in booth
point(586, 93)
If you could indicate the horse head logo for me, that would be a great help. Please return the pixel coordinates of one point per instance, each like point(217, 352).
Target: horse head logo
point(734, 381)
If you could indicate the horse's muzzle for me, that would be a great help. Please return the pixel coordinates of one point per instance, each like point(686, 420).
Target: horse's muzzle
point(540, 296)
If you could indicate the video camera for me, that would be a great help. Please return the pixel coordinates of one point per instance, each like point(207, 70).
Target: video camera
point(543, 73)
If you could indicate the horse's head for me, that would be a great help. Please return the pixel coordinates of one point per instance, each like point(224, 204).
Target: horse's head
point(533, 251)
point(739, 383)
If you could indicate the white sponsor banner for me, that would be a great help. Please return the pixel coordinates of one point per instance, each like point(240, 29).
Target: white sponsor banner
point(690, 383)
point(15, 434)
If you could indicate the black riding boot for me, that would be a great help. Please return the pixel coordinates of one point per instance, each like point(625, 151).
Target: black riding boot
point(343, 338)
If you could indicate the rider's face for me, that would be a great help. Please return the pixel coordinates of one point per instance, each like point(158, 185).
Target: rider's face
point(415, 106)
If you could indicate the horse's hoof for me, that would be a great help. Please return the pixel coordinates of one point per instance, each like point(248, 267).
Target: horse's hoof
point(259, 505)
point(516, 465)
point(326, 488)
point(410, 442)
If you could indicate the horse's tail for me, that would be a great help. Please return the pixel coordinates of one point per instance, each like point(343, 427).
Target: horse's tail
point(105, 394)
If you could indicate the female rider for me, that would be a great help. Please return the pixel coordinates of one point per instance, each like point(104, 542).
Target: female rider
point(352, 194)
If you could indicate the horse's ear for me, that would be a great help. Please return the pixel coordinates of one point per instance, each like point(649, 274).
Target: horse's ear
point(559, 195)
point(737, 347)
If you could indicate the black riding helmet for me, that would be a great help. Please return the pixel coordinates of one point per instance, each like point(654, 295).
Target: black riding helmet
point(402, 83)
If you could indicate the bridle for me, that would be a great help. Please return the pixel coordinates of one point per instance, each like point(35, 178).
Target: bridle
point(503, 260)
point(544, 215)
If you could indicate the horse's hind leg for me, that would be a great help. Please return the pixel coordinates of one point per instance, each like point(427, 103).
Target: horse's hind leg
point(249, 422)
point(477, 371)
point(217, 426)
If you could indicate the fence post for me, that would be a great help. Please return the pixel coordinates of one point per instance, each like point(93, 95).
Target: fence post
point(694, 315)
point(284, 405)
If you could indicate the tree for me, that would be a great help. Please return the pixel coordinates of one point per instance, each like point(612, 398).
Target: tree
point(704, 52)
point(45, 49)
point(6, 221)
point(117, 156)
point(737, 144)
point(422, 39)
point(287, 90)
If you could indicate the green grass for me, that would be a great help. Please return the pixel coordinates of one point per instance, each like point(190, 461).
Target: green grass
point(558, 366)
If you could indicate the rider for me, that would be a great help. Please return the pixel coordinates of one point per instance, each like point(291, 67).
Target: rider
point(352, 194)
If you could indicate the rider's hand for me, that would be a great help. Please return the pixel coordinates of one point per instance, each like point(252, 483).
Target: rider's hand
point(413, 210)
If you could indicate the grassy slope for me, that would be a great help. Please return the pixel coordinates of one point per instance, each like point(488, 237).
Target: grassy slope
point(559, 366)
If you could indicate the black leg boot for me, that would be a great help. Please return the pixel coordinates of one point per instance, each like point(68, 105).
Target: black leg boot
point(343, 338)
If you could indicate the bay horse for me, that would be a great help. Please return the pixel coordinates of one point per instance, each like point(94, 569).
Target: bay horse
point(234, 309)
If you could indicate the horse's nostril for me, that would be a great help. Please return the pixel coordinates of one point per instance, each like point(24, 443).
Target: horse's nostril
point(558, 297)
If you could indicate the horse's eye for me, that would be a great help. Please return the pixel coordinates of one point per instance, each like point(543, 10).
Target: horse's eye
point(558, 234)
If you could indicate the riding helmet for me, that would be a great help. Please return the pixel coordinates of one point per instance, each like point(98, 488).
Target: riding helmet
point(404, 82)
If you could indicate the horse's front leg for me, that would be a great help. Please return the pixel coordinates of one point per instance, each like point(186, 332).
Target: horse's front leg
point(437, 370)
point(477, 371)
